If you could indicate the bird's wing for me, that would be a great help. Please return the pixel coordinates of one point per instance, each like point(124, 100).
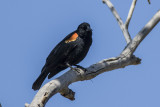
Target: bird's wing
point(62, 50)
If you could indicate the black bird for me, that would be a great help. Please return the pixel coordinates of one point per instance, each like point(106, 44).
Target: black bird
point(70, 51)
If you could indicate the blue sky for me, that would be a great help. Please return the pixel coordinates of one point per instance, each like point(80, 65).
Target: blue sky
point(29, 30)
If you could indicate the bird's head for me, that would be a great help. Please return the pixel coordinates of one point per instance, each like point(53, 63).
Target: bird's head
point(84, 29)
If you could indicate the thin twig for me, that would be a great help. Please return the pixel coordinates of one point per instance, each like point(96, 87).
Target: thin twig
point(119, 20)
point(130, 13)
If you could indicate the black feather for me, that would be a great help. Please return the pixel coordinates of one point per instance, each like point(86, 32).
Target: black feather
point(66, 53)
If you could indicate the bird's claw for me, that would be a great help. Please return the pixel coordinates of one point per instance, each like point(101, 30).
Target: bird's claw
point(77, 69)
point(78, 66)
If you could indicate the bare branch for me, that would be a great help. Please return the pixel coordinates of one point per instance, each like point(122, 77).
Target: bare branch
point(130, 13)
point(119, 20)
point(141, 35)
point(60, 85)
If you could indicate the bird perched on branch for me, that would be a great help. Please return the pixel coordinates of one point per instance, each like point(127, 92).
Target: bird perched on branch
point(70, 51)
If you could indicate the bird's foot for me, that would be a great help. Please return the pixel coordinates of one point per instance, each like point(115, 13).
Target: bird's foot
point(74, 69)
point(69, 66)
point(78, 66)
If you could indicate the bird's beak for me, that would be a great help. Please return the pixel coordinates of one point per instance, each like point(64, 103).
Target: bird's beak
point(88, 28)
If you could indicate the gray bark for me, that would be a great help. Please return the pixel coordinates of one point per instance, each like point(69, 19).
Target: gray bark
point(60, 84)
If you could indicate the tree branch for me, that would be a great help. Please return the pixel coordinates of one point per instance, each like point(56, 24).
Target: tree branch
point(141, 35)
point(60, 84)
point(130, 13)
point(119, 20)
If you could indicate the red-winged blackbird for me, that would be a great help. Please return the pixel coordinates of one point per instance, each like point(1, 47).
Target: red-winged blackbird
point(70, 51)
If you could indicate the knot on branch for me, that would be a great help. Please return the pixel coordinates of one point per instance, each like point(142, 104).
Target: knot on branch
point(136, 60)
point(68, 93)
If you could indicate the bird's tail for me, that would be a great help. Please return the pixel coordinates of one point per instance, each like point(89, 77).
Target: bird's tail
point(37, 84)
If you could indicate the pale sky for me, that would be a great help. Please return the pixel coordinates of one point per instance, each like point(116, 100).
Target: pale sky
point(30, 29)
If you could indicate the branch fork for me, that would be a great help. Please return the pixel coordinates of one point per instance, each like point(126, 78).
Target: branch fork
point(61, 84)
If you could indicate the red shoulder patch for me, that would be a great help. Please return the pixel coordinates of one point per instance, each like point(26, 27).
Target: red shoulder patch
point(72, 38)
